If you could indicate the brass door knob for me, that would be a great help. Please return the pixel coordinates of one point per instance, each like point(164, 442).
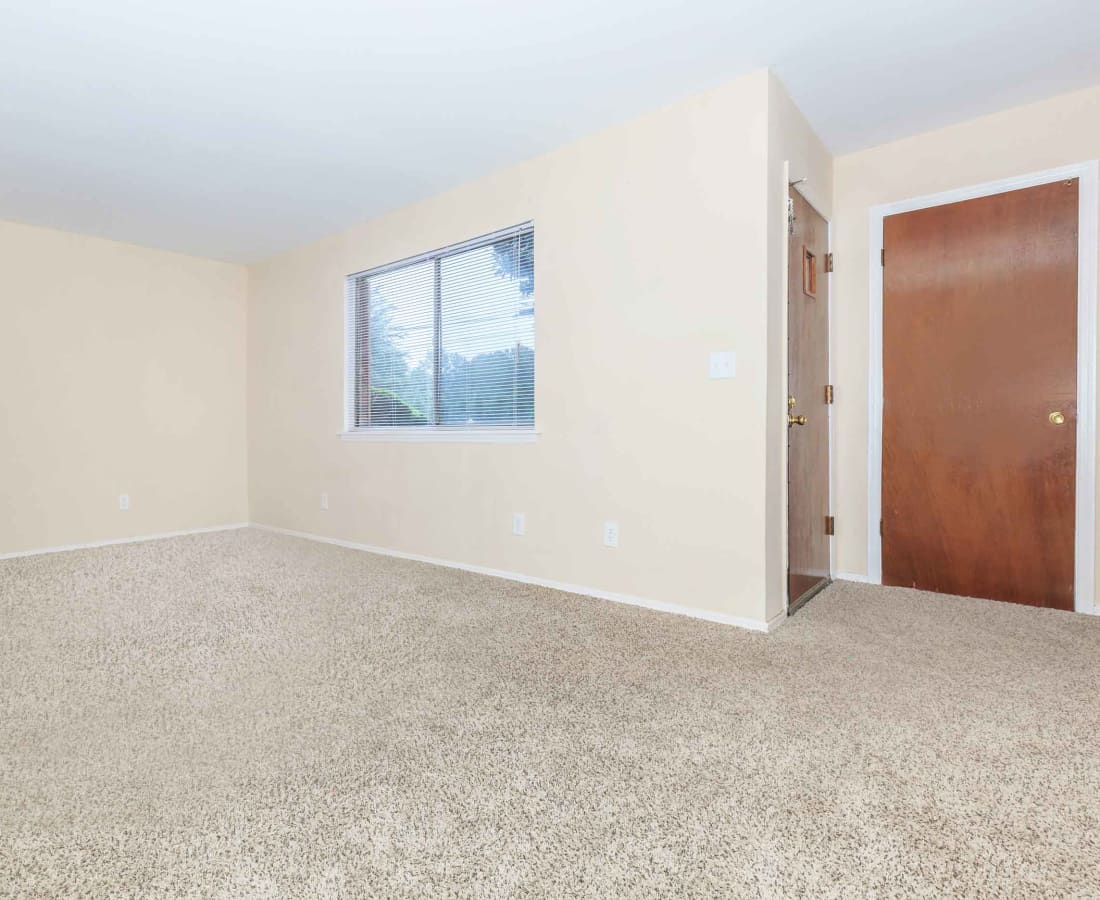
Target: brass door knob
point(795, 420)
point(1057, 418)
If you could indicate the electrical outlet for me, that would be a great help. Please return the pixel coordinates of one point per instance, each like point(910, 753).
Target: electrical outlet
point(324, 501)
point(722, 364)
point(611, 534)
point(124, 502)
point(519, 523)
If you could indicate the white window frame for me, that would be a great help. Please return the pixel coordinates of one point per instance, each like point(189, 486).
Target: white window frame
point(488, 434)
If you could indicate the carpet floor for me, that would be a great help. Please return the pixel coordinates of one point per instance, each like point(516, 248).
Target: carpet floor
point(245, 714)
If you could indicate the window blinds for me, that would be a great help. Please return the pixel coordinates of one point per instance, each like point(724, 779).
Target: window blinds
point(447, 339)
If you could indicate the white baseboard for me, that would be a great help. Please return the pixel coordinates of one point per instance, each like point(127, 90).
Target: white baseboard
point(850, 576)
point(775, 621)
point(127, 540)
point(659, 605)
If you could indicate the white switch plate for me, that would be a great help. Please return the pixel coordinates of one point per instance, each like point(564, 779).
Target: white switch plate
point(324, 501)
point(722, 364)
point(611, 534)
point(519, 523)
point(124, 502)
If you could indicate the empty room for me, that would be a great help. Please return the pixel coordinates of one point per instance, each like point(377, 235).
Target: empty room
point(468, 449)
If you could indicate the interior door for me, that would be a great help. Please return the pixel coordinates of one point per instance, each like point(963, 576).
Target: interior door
point(808, 525)
point(980, 396)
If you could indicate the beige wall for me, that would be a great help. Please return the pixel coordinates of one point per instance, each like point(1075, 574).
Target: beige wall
point(650, 254)
point(1031, 138)
point(658, 241)
point(794, 153)
point(123, 370)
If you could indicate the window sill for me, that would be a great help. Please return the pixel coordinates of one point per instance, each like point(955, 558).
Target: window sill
point(420, 435)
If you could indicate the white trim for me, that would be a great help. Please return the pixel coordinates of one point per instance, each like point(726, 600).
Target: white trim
point(442, 435)
point(128, 540)
point(874, 402)
point(849, 576)
point(1088, 174)
point(779, 619)
point(658, 605)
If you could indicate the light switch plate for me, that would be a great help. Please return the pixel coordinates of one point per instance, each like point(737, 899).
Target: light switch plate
point(722, 364)
point(611, 534)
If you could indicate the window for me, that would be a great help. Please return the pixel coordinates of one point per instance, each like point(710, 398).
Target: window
point(445, 343)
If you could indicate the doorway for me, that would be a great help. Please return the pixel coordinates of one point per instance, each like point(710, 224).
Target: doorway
point(809, 523)
point(985, 455)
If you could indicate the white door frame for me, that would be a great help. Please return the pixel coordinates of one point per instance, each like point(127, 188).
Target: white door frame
point(1087, 238)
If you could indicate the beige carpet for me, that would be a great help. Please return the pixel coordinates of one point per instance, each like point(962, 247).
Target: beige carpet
point(250, 715)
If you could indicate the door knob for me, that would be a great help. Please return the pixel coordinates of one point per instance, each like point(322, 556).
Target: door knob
point(795, 420)
point(1057, 418)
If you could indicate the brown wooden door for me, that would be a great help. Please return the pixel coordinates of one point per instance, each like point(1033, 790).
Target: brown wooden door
point(979, 351)
point(807, 376)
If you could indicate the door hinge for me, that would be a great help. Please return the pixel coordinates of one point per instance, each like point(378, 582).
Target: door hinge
point(830, 525)
point(828, 262)
point(882, 257)
point(828, 393)
point(881, 530)
point(790, 215)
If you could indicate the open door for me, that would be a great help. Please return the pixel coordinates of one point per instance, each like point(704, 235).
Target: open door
point(979, 434)
point(809, 523)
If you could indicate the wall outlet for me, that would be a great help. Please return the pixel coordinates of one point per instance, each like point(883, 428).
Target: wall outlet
point(611, 534)
point(324, 501)
point(519, 523)
point(124, 502)
point(722, 364)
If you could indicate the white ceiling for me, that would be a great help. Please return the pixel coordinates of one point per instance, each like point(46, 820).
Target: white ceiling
point(238, 128)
